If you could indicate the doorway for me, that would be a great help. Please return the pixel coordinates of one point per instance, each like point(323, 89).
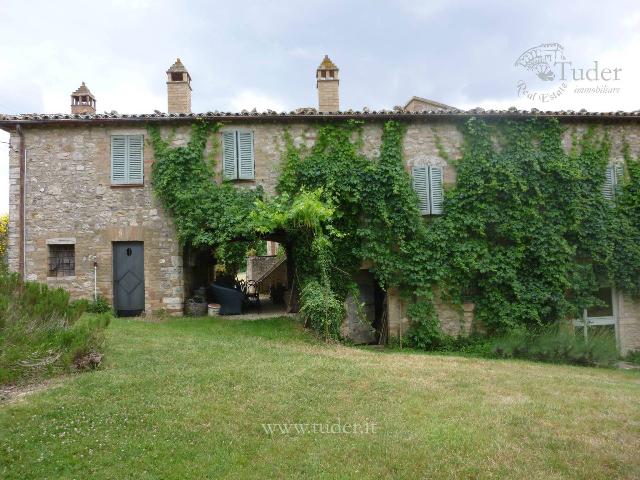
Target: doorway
point(128, 278)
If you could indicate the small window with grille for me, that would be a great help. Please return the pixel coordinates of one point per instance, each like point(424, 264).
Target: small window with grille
point(62, 261)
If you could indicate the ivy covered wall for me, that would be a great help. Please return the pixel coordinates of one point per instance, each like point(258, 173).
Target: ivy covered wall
point(526, 229)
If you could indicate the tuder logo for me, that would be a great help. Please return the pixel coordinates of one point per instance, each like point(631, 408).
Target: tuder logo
point(541, 60)
point(552, 71)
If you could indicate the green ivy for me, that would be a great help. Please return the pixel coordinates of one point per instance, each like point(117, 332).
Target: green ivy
point(375, 216)
point(625, 232)
point(526, 231)
point(206, 213)
point(527, 227)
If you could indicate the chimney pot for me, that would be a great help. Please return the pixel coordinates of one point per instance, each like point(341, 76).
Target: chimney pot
point(178, 88)
point(82, 101)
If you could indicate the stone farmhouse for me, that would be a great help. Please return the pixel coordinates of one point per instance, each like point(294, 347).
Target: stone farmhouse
point(83, 215)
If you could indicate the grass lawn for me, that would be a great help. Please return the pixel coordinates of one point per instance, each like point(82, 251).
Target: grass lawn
point(187, 399)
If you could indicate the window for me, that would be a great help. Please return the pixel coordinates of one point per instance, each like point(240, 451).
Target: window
point(427, 182)
point(599, 319)
point(62, 261)
point(612, 180)
point(237, 155)
point(126, 159)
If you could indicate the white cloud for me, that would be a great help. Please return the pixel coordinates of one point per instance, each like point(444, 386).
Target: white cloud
point(305, 53)
point(458, 52)
point(250, 99)
point(424, 10)
point(137, 4)
point(632, 21)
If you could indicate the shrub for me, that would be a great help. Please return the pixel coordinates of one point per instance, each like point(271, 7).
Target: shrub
point(321, 308)
point(4, 238)
point(100, 305)
point(474, 345)
point(425, 331)
point(41, 331)
point(558, 345)
point(35, 301)
point(633, 357)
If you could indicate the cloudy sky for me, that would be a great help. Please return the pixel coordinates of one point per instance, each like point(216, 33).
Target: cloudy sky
point(264, 54)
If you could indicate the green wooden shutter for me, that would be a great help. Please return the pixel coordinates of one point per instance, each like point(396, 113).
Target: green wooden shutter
point(435, 188)
point(609, 183)
point(619, 174)
point(118, 159)
point(246, 163)
point(135, 164)
point(421, 186)
point(229, 165)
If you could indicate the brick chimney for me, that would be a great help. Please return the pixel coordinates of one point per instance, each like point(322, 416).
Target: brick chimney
point(83, 101)
point(178, 88)
point(327, 84)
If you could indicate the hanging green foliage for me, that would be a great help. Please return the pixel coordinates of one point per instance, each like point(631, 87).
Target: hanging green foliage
point(374, 210)
point(306, 220)
point(526, 231)
point(206, 213)
point(527, 227)
point(624, 263)
point(521, 213)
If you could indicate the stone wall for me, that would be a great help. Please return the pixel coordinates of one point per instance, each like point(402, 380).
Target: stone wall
point(69, 195)
point(455, 320)
point(360, 317)
point(257, 266)
point(628, 323)
point(397, 318)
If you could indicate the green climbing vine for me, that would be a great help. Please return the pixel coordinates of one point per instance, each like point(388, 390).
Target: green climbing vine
point(206, 213)
point(624, 263)
point(526, 224)
point(527, 233)
point(375, 219)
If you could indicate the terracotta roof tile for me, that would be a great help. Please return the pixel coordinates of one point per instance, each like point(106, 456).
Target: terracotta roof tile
point(83, 90)
point(327, 64)
point(306, 113)
point(177, 67)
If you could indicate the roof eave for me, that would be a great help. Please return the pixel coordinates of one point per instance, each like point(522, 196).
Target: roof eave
point(33, 119)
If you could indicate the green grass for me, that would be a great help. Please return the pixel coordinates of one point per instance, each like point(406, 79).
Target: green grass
point(187, 399)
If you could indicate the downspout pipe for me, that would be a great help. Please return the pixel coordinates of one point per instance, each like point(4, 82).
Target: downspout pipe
point(21, 215)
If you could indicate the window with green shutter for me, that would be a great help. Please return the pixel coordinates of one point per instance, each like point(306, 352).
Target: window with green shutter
point(427, 183)
point(229, 157)
point(612, 180)
point(127, 162)
point(436, 175)
point(421, 186)
point(238, 159)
